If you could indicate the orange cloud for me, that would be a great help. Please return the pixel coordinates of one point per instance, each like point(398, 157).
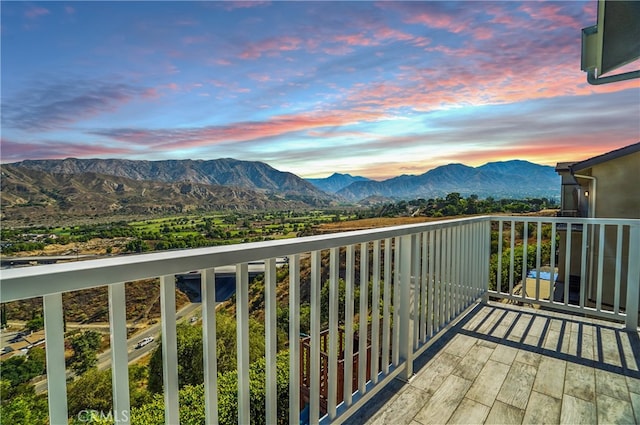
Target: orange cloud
point(271, 45)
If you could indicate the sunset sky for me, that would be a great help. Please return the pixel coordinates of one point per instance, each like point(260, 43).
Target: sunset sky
point(376, 89)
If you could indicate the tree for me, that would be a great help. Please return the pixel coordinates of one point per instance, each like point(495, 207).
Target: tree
point(85, 348)
point(190, 365)
point(93, 391)
point(25, 409)
point(35, 324)
point(191, 398)
point(18, 370)
point(137, 245)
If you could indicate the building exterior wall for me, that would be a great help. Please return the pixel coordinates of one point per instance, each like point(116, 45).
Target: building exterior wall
point(613, 189)
point(616, 189)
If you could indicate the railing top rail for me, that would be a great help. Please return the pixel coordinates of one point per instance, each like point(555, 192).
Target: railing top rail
point(572, 220)
point(28, 282)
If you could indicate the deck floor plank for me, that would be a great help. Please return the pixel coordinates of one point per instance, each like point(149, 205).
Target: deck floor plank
point(513, 365)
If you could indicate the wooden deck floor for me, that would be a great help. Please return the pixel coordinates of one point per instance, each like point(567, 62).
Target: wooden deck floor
point(511, 365)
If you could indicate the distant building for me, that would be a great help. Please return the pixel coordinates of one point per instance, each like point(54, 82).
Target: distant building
point(605, 186)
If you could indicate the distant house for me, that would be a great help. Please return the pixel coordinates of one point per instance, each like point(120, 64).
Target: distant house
point(605, 186)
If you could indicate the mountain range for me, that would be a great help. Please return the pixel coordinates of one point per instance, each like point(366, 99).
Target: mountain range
point(336, 182)
point(36, 189)
point(505, 179)
point(47, 198)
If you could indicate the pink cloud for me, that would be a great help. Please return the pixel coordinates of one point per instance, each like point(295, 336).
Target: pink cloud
point(337, 50)
point(263, 78)
point(552, 13)
point(482, 33)
point(439, 20)
point(271, 45)
point(34, 12)
point(231, 5)
point(240, 131)
point(356, 40)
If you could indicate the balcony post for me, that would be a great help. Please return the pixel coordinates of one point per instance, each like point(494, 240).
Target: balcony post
point(294, 340)
point(209, 345)
point(169, 348)
point(56, 369)
point(406, 301)
point(242, 341)
point(633, 278)
point(486, 259)
point(119, 356)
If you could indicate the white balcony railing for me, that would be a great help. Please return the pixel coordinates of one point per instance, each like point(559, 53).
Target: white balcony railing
point(423, 277)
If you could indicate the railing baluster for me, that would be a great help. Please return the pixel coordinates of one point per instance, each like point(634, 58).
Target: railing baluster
point(583, 265)
point(552, 277)
point(464, 258)
point(423, 288)
point(209, 345)
point(364, 317)
point(437, 298)
point(600, 267)
point(567, 264)
point(415, 279)
point(475, 261)
point(616, 302)
point(271, 343)
point(294, 339)
point(406, 331)
point(457, 269)
point(348, 324)
point(446, 273)
point(485, 241)
point(511, 256)
point(538, 259)
point(633, 278)
point(386, 302)
point(499, 269)
point(431, 290)
point(314, 403)
point(525, 246)
point(119, 356)
point(334, 262)
point(242, 336)
point(56, 369)
point(396, 302)
point(169, 348)
point(375, 313)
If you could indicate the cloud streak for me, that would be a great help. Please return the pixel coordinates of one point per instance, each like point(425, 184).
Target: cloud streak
point(52, 105)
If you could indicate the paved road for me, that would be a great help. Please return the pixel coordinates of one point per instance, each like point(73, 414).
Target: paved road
point(104, 358)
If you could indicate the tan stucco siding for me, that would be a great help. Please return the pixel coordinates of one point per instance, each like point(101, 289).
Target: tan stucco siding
point(618, 187)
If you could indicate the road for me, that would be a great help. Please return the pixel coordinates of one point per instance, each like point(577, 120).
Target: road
point(104, 358)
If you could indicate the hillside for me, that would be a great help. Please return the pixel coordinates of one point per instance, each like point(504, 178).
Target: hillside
point(509, 179)
point(251, 175)
point(30, 195)
point(91, 305)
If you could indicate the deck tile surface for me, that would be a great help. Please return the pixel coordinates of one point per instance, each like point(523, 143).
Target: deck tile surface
point(504, 364)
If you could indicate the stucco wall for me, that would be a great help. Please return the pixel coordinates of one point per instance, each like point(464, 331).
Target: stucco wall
point(618, 187)
point(617, 194)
